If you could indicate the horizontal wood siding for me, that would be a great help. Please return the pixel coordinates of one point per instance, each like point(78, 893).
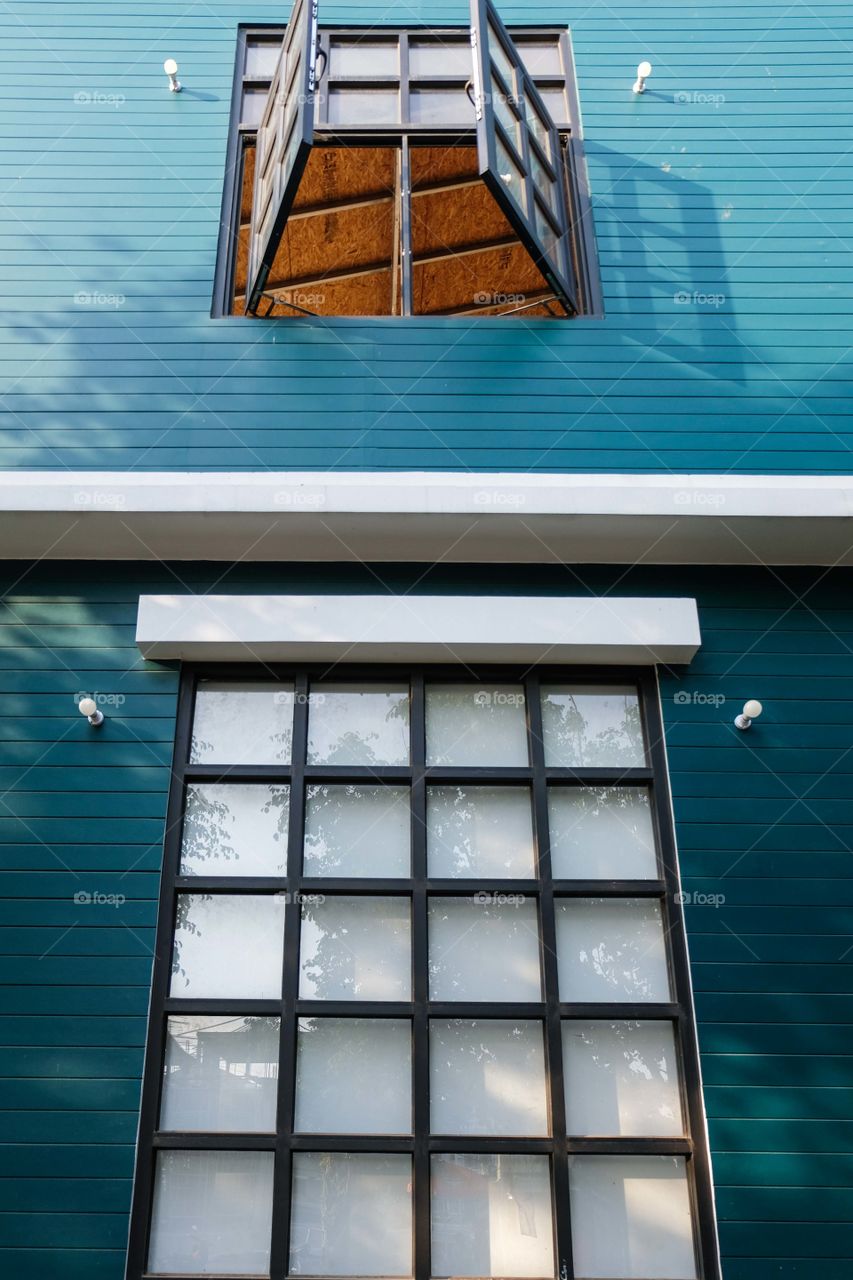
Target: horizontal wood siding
point(763, 819)
point(722, 203)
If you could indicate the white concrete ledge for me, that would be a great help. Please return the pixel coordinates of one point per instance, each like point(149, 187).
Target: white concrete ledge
point(328, 628)
point(425, 516)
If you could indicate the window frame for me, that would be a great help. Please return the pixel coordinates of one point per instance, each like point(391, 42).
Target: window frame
point(550, 1011)
point(582, 250)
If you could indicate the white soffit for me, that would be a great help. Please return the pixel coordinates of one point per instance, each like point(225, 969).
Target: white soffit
point(460, 517)
point(331, 628)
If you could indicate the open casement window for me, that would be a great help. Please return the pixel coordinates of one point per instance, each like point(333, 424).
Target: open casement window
point(408, 172)
point(519, 150)
point(285, 135)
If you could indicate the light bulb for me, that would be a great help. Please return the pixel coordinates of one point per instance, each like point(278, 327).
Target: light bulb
point(170, 66)
point(88, 706)
point(644, 70)
point(752, 709)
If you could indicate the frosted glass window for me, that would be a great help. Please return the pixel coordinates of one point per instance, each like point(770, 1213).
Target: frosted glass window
point(242, 724)
point(351, 1215)
point(356, 948)
point(476, 724)
point(492, 1216)
point(480, 831)
point(228, 945)
point(220, 1074)
point(592, 726)
point(439, 58)
point(358, 724)
point(611, 949)
point(482, 949)
point(631, 1218)
point(364, 106)
point(374, 59)
point(487, 1077)
point(354, 1075)
point(357, 831)
point(234, 828)
point(212, 1213)
point(601, 833)
point(621, 1079)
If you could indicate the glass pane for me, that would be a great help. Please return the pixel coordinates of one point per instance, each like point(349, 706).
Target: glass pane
point(357, 831)
point(480, 831)
point(484, 948)
point(504, 105)
point(487, 1077)
point(228, 945)
point(439, 58)
point(212, 1213)
point(543, 182)
point(373, 59)
point(538, 127)
point(364, 106)
point(631, 1217)
point(262, 58)
point(492, 1216)
point(252, 110)
point(595, 726)
point(545, 233)
point(500, 59)
point(601, 833)
point(358, 724)
point(475, 724)
point(355, 949)
point(510, 175)
point(354, 1075)
point(621, 1079)
point(555, 105)
point(242, 724)
point(235, 828)
point(541, 57)
point(351, 1215)
point(611, 949)
point(440, 106)
point(220, 1073)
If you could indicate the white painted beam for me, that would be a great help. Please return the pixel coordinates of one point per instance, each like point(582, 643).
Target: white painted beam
point(381, 628)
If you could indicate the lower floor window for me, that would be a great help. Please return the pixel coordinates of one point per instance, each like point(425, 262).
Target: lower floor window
point(420, 1005)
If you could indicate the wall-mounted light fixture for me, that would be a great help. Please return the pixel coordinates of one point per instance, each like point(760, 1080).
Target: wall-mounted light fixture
point(751, 711)
point(644, 70)
point(170, 66)
point(88, 707)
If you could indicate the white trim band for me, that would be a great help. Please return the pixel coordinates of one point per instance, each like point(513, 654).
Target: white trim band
point(460, 517)
point(408, 628)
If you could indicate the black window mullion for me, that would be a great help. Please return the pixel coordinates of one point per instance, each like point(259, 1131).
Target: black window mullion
point(550, 981)
point(288, 1032)
point(420, 990)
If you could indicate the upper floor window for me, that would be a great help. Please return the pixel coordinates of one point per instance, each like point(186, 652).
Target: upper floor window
point(405, 172)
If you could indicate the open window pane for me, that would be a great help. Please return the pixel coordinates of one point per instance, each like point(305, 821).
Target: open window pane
point(469, 724)
point(601, 833)
point(221, 1074)
point(233, 828)
point(228, 945)
point(611, 949)
point(355, 948)
point(358, 724)
point(242, 724)
point(631, 1218)
point(212, 1213)
point(621, 1079)
point(357, 831)
point(484, 948)
point(354, 1075)
point(487, 1077)
point(351, 1215)
point(586, 726)
point(492, 1216)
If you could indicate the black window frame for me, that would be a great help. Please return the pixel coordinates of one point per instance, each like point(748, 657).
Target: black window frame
point(583, 249)
point(559, 1146)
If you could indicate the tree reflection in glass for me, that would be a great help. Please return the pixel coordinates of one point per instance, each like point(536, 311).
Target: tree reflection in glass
point(480, 831)
point(601, 833)
point(358, 724)
point(355, 948)
point(591, 726)
point(235, 828)
point(611, 949)
point(357, 831)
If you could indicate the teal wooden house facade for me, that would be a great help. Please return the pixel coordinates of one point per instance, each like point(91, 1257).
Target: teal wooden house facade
point(452, 431)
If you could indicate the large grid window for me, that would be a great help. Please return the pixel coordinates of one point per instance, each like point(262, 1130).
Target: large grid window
point(421, 1005)
point(401, 172)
